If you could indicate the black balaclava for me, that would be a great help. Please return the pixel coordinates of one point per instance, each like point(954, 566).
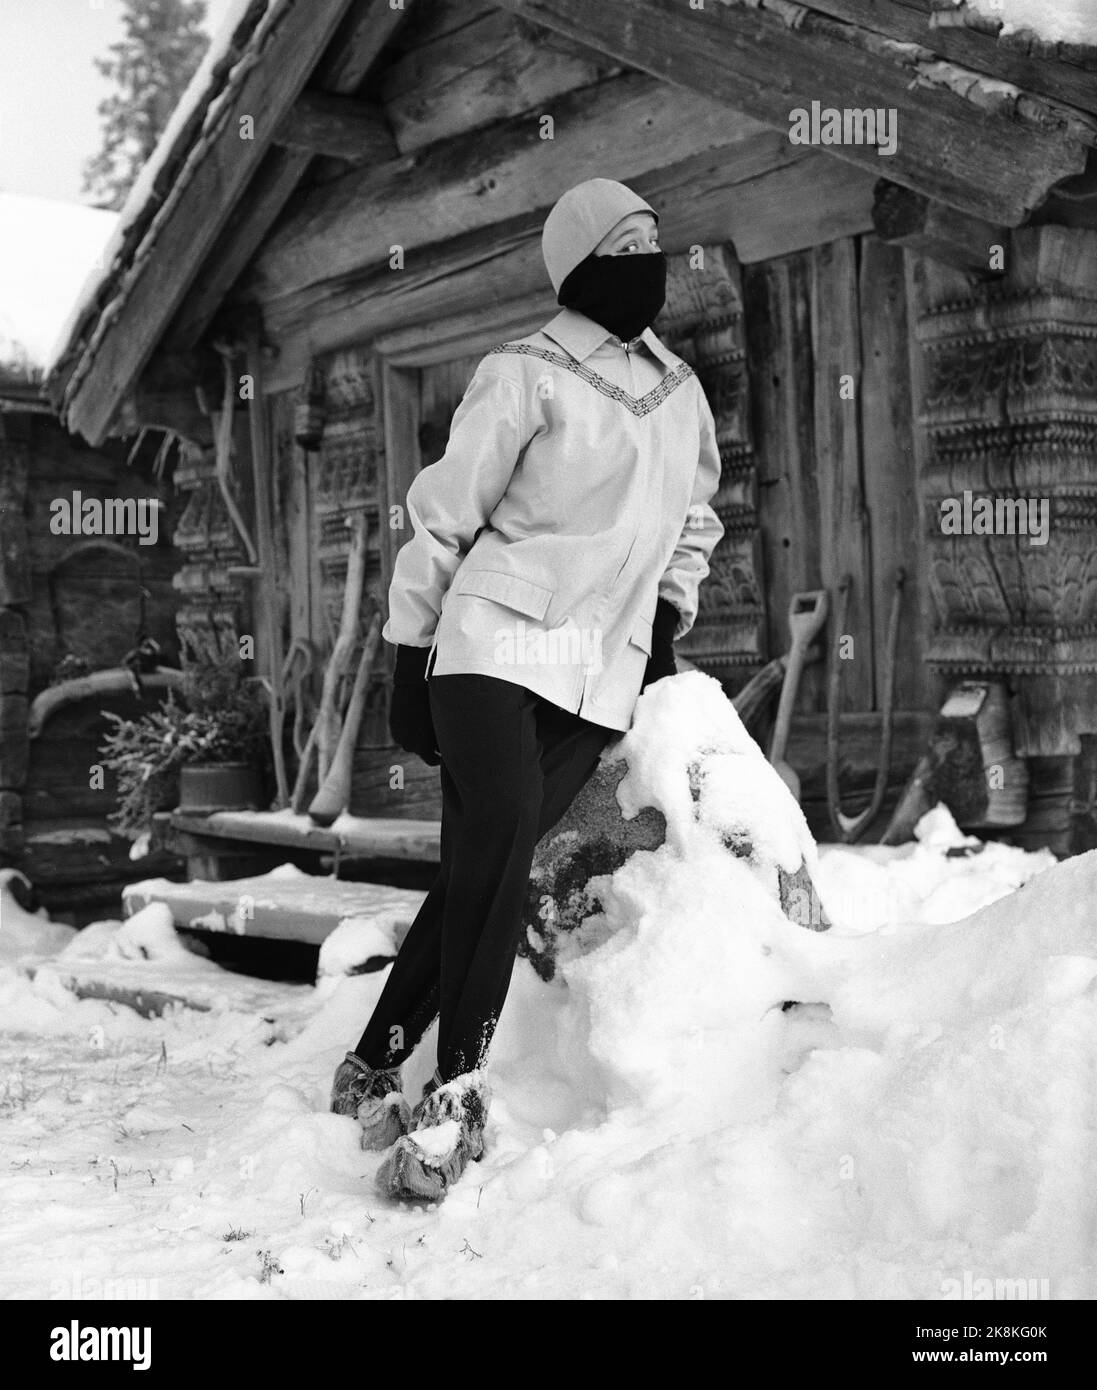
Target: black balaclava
point(622, 293)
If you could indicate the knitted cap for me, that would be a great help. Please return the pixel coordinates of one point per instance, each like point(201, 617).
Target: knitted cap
point(580, 218)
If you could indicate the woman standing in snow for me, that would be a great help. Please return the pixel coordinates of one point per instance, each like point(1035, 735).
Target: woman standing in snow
point(557, 551)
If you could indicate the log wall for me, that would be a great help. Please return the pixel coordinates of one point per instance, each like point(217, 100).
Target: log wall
point(814, 485)
point(838, 475)
point(854, 384)
point(68, 603)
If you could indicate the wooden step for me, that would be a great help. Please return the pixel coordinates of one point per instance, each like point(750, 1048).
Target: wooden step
point(285, 905)
point(366, 837)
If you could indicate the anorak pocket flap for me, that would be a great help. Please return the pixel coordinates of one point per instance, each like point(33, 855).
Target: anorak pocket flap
point(523, 595)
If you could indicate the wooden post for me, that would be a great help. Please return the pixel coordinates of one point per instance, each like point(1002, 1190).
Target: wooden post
point(845, 548)
point(400, 410)
point(777, 314)
point(1010, 415)
point(15, 593)
point(270, 597)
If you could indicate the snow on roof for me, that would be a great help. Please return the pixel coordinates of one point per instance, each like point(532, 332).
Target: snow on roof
point(157, 175)
point(1057, 21)
point(46, 250)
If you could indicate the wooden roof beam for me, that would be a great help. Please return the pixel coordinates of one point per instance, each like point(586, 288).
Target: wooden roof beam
point(1064, 72)
point(488, 70)
point(747, 196)
point(962, 140)
point(905, 218)
point(340, 127)
point(621, 128)
point(175, 409)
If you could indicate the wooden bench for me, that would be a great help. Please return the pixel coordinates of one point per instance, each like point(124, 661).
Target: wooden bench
point(226, 844)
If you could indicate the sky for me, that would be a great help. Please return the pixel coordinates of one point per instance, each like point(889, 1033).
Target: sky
point(49, 89)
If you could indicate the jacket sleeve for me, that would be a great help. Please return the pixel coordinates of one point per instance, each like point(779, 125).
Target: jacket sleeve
point(701, 531)
point(449, 502)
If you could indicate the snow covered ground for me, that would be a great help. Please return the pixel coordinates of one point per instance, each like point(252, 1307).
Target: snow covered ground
point(661, 1127)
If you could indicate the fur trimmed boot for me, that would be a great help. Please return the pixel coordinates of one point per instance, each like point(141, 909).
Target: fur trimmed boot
point(373, 1098)
point(446, 1132)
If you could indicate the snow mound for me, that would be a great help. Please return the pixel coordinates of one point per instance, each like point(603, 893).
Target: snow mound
point(27, 934)
point(661, 1127)
point(357, 941)
point(148, 935)
point(938, 830)
point(940, 877)
point(998, 959)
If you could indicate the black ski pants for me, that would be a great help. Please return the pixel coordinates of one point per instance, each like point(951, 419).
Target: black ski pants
point(512, 763)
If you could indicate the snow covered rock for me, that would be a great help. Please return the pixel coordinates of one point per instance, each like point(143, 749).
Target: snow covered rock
point(686, 772)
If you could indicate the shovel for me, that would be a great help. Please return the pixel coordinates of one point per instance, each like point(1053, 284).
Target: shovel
point(806, 615)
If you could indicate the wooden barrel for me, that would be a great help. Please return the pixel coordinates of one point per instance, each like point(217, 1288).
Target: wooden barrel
point(210, 787)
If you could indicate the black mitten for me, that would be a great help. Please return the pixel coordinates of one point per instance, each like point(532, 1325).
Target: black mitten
point(410, 721)
point(661, 660)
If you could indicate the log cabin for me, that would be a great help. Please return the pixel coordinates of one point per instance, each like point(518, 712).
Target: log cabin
point(345, 215)
point(72, 602)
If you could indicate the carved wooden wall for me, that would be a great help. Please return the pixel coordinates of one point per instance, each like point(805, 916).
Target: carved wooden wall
point(345, 475)
point(317, 494)
point(1010, 411)
point(703, 322)
point(215, 603)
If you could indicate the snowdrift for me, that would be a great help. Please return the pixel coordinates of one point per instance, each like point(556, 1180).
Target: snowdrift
point(662, 1127)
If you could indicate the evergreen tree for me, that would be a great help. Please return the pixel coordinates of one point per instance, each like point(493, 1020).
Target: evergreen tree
point(151, 66)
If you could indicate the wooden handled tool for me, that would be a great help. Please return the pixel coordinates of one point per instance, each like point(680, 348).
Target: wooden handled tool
point(807, 613)
point(334, 793)
point(327, 717)
point(325, 729)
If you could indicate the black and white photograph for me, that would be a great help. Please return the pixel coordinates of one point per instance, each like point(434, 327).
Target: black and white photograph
point(548, 668)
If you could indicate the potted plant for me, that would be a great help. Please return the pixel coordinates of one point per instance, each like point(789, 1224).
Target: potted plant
point(208, 752)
